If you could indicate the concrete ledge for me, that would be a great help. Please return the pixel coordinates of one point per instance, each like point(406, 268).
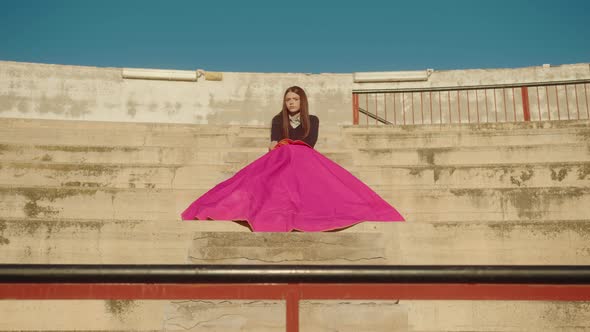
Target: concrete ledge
point(415, 204)
point(469, 204)
point(156, 176)
point(374, 138)
point(474, 155)
point(39, 241)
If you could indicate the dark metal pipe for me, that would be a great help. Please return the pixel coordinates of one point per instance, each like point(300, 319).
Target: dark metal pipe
point(18, 273)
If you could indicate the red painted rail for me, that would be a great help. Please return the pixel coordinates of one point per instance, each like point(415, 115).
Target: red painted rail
point(293, 293)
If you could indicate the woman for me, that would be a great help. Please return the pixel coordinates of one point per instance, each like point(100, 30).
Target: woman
point(293, 187)
point(294, 121)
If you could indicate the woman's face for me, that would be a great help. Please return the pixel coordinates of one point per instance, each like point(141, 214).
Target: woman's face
point(292, 101)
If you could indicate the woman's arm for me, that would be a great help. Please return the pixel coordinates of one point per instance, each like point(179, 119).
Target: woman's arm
point(275, 132)
point(312, 138)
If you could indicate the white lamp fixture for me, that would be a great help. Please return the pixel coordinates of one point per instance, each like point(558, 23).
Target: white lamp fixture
point(171, 75)
point(160, 74)
point(392, 76)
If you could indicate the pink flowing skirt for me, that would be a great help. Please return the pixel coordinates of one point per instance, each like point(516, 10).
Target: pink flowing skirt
point(292, 187)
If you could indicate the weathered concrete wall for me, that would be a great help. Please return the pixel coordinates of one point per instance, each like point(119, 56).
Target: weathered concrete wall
point(42, 91)
point(101, 94)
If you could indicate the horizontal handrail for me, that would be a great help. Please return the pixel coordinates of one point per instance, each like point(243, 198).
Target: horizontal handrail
point(471, 87)
point(526, 274)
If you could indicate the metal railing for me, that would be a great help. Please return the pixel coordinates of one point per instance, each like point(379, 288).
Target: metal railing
point(42, 273)
point(294, 283)
point(482, 104)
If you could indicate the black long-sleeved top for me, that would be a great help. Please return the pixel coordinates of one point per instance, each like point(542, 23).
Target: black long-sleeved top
point(276, 132)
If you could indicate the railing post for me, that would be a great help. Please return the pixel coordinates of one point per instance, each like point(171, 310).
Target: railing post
point(292, 307)
point(525, 104)
point(355, 109)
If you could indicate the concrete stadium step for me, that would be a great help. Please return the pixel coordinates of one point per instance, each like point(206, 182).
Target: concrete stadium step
point(151, 155)
point(114, 176)
point(501, 134)
point(478, 155)
point(40, 174)
point(78, 241)
point(489, 204)
point(417, 205)
point(574, 174)
point(62, 132)
point(90, 203)
point(118, 134)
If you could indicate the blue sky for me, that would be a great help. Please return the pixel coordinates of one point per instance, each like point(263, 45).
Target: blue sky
point(296, 36)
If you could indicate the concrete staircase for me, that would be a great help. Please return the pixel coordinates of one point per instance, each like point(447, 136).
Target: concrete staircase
point(100, 192)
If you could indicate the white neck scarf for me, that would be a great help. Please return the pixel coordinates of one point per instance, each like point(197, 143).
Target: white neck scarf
point(295, 120)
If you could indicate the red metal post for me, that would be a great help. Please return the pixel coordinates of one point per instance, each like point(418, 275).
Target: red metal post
point(548, 103)
point(412, 98)
point(505, 109)
point(577, 105)
point(459, 106)
point(430, 99)
point(421, 107)
point(495, 106)
point(538, 103)
point(385, 104)
point(557, 98)
point(394, 115)
point(486, 98)
point(477, 105)
point(525, 103)
point(367, 108)
point(376, 110)
point(514, 104)
point(440, 109)
point(404, 108)
point(449, 102)
point(468, 108)
point(355, 109)
point(292, 303)
point(567, 103)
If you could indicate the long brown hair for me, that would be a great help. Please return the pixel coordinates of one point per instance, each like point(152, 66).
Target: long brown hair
point(303, 109)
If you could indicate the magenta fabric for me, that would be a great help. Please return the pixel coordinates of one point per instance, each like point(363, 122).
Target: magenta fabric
point(292, 187)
